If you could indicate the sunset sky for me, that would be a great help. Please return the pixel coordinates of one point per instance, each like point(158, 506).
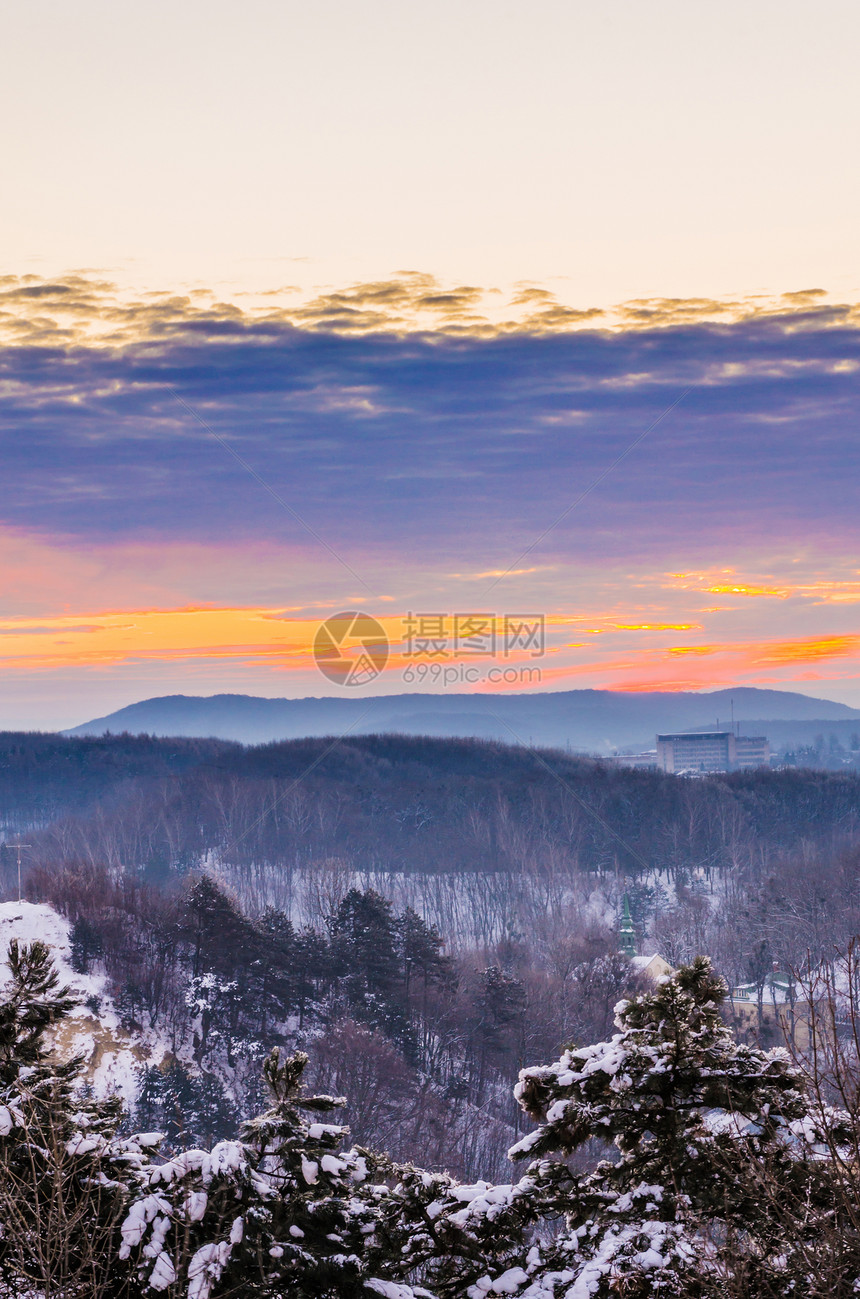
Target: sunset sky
point(546, 308)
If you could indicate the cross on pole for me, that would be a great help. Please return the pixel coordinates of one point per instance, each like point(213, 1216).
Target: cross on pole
point(19, 846)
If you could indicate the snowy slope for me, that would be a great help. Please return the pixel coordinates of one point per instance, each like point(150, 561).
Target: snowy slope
point(113, 1057)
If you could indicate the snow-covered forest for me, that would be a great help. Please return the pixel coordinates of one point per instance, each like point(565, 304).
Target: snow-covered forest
point(409, 924)
point(425, 917)
point(726, 1171)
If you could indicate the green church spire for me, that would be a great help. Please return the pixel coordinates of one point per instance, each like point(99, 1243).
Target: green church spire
point(626, 932)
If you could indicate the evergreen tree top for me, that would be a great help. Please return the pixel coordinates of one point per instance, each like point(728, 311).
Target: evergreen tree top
point(673, 1058)
point(283, 1210)
point(32, 1002)
point(694, 1117)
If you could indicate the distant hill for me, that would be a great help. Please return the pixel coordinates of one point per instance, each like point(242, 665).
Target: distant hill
point(597, 721)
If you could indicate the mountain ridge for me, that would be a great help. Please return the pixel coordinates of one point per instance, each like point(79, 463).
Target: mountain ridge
point(594, 720)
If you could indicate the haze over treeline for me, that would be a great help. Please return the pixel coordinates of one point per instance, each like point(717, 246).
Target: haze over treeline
point(592, 720)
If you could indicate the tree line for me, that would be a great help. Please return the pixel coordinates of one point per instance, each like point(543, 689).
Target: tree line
point(403, 804)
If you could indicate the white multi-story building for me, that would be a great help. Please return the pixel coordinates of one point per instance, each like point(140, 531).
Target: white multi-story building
point(711, 751)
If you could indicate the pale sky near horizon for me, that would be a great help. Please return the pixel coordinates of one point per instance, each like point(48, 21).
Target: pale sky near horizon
point(564, 292)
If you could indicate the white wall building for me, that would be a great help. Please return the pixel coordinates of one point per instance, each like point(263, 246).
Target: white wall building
point(711, 751)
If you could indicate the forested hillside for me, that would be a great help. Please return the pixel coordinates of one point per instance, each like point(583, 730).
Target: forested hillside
point(423, 916)
point(397, 803)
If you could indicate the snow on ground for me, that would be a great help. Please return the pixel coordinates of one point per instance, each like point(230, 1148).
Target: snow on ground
point(32, 922)
point(114, 1058)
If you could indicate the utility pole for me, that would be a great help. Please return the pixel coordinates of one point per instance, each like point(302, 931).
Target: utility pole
point(19, 846)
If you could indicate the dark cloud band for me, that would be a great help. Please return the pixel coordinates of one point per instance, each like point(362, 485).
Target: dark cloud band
point(459, 436)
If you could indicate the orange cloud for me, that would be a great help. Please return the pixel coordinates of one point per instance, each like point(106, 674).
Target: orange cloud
point(692, 649)
point(819, 590)
point(259, 635)
point(771, 591)
point(733, 663)
point(155, 634)
point(657, 626)
point(278, 639)
point(810, 650)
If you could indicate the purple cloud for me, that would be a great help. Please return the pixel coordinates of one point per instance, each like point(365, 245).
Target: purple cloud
point(439, 440)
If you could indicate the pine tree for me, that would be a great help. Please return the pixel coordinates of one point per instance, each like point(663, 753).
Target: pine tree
point(33, 1002)
point(312, 970)
point(274, 973)
point(458, 1239)
point(187, 1109)
point(680, 1210)
point(498, 1016)
point(282, 1211)
point(367, 965)
point(86, 944)
point(65, 1176)
point(148, 1112)
point(221, 938)
point(423, 956)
